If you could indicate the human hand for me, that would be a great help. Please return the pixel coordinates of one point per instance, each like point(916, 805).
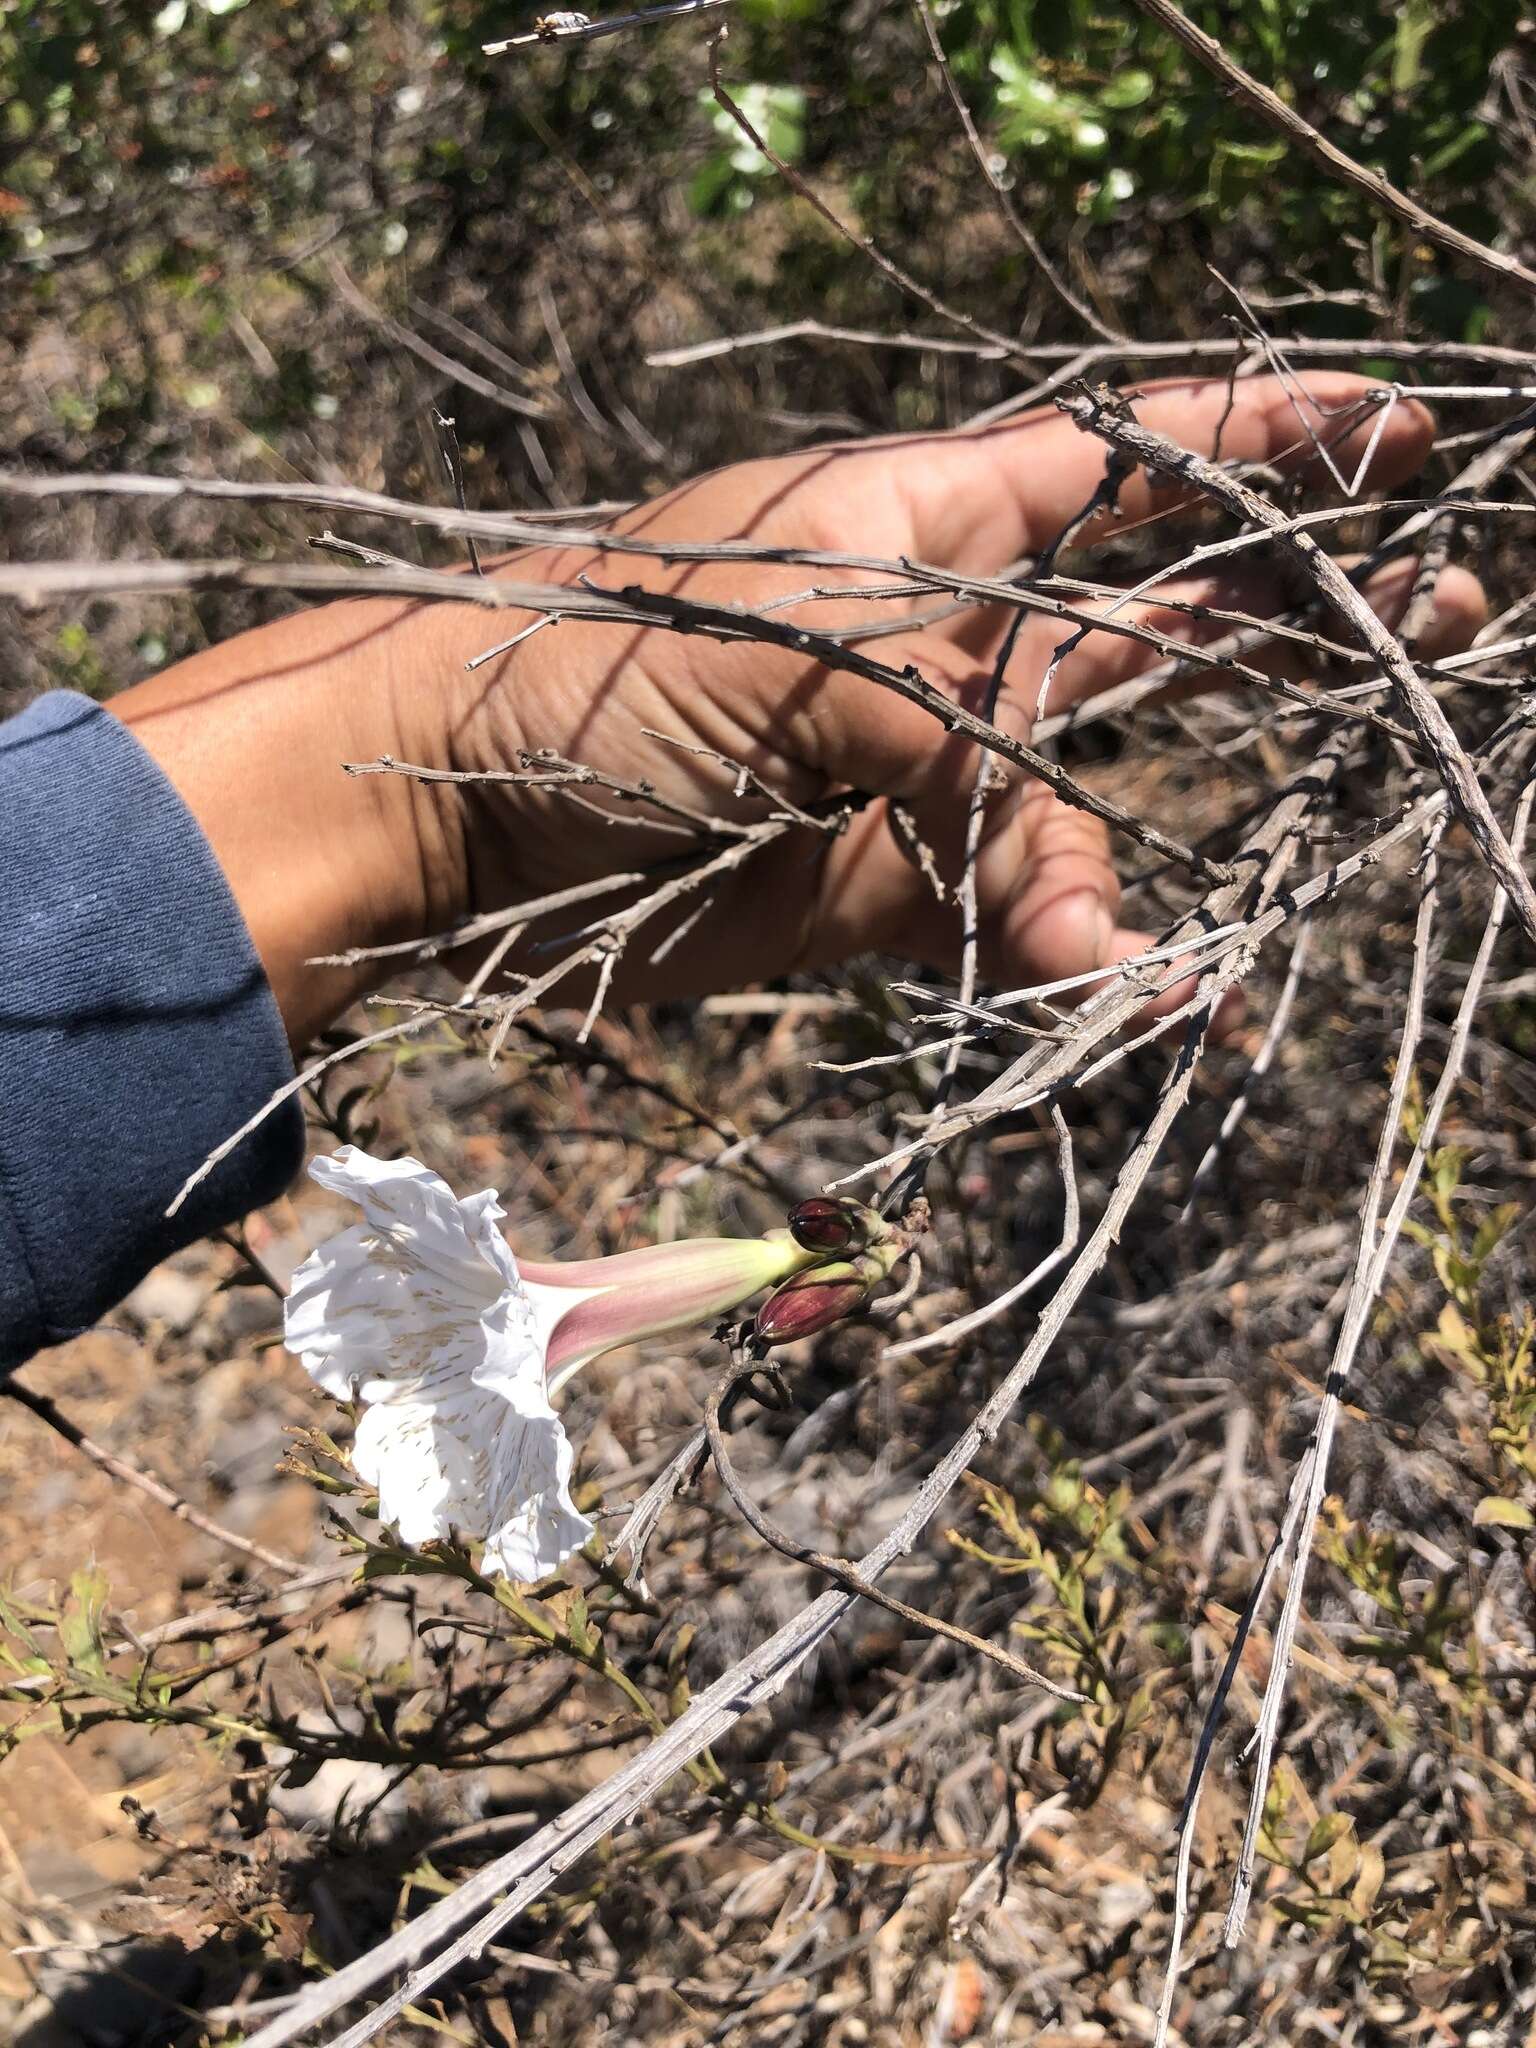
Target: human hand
point(1048, 893)
point(253, 732)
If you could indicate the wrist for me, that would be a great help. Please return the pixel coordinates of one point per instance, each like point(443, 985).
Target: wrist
point(253, 734)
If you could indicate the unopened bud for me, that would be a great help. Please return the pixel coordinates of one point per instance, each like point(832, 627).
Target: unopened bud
point(827, 1223)
point(815, 1300)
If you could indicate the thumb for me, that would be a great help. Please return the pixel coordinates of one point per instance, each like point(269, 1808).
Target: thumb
point(1231, 1008)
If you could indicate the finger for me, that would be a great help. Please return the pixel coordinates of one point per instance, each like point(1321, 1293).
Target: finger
point(1458, 608)
point(1057, 664)
point(1046, 891)
point(1047, 894)
point(1099, 661)
point(1051, 914)
point(978, 501)
point(1082, 658)
point(1231, 1006)
point(861, 734)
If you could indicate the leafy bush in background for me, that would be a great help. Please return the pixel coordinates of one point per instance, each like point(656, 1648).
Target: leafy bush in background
point(178, 180)
point(1100, 104)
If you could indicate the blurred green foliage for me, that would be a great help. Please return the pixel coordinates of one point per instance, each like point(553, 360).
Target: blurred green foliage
point(1097, 98)
point(195, 125)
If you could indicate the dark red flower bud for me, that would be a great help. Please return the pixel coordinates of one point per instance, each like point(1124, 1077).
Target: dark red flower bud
point(830, 1223)
point(822, 1225)
point(815, 1300)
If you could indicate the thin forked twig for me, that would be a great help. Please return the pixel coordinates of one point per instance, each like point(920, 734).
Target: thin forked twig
point(1295, 1536)
point(839, 1569)
point(988, 1312)
point(1273, 1038)
point(1412, 1026)
point(1287, 122)
point(534, 1865)
point(1020, 228)
point(865, 244)
point(1376, 1247)
point(572, 27)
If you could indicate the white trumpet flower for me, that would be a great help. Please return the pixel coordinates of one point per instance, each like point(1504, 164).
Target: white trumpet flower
point(423, 1315)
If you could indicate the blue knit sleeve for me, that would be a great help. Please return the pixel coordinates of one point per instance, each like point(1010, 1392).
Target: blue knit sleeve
point(137, 1029)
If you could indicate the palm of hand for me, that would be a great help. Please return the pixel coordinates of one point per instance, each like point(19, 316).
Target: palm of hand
point(1047, 889)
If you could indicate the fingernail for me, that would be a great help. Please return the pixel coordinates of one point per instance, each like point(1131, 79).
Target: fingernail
point(1085, 921)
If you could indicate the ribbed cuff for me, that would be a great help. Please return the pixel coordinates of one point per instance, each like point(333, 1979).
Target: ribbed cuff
point(137, 1030)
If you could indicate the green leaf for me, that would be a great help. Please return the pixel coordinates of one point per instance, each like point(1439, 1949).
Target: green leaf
point(383, 1563)
point(1492, 1230)
point(776, 112)
point(1471, 135)
point(1413, 27)
point(1324, 1832)
point(770, 12)
point(80, 1621)
point(1368, 1883)
point(13, 1624)
point(1129, 88)
point(714, 185)
point(578, 1628)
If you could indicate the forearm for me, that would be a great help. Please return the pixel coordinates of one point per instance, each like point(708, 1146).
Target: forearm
point(153, 910)
point(253, 734)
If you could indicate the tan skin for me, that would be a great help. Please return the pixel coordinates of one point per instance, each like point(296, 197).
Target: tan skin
point(252, 732)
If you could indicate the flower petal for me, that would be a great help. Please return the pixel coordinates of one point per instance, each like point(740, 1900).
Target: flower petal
point(417, 1211)
point(419, 1312)
point(393, 1298)
point(481, 1455)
